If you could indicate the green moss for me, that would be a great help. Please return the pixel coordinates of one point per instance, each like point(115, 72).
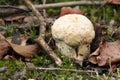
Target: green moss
point(12, 67)
point(53, 12)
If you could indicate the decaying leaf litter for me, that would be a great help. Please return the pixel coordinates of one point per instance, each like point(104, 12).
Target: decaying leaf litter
point(28, 51)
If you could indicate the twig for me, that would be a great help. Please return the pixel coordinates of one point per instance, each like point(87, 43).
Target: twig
point(39, 16)
point(44, 10)
point(40, 39)
point(49, 51)
point(73, 3)
point(10, 10)
point(7, 10)
point(61, 4)
point(63, 69)
point(2, 37)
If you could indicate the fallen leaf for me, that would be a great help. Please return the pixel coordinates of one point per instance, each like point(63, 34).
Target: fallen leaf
point(2, 22)
point(24, 40)
point(4, 47)
point(15, 17)
point(107, 52)
point(99, 35)
point(116, 2)
point(69, 10)
point(27, 51)
point(8, 57)
point(112, 1)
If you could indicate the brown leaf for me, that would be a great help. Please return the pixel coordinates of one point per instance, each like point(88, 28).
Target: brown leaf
point(99, 35)
point(112, 1)
point(2, 21)
point(4, 47)
point(24, 40)
point(8, 57)
point(116, 2)
point(69, 10)
point(15, 17)
point(27, 51)
point(106, 52)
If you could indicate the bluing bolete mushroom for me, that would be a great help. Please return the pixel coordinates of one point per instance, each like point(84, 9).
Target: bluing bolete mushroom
point(73, 34)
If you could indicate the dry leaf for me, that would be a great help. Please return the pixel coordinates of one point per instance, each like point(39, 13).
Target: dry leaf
point(106, 52)
point(15, 17)
point(117, 2)
point(27, 51)
point(8, 57)
point(2, 22)
point(24, 40)
point(99, 35)
point(4, 47)
point(69, 10)
point(112, 1)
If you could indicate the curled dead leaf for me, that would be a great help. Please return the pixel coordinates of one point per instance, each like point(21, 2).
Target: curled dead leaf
point(4, 47)
point(8, 57)
point(69, 10)
point(2, 22)
point(27, 51)
point(112, 1)
point(107, 52)
point(99, 35)
point(15, 17)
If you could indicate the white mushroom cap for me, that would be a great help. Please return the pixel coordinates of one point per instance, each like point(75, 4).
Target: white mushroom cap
point(73, 30)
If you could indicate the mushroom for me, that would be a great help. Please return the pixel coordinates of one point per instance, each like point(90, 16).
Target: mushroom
point(73, 34)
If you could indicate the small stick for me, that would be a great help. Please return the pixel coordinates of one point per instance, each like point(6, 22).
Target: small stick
point(73, 3)
point(61, 4)
point(39, 16)
point(40, 39)
point(44, 10)
point(63, 69)
point(9, 10)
